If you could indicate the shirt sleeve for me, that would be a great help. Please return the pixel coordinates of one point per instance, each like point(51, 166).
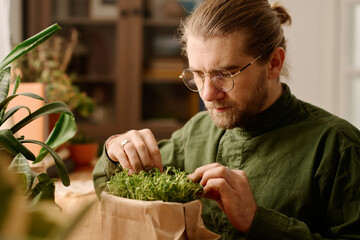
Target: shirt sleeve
point(102, 172)
point(341, 219)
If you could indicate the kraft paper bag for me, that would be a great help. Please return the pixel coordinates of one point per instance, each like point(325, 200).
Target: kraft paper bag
point(124, 218)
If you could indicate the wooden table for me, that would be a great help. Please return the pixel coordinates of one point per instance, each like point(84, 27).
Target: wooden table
point(90, 227)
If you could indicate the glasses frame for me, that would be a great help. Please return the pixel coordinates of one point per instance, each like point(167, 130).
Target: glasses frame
point(231, 76)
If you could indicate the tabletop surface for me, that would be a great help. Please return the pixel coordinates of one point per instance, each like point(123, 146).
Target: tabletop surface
point(78, 195)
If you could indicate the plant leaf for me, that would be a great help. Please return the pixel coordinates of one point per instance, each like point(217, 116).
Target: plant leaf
point(59, 163)
point(13, 146)
point(53, 107)
point(6, 101)
point(35, 199)
point(5, 90)
point(21, 166)
point(29, 44)
point(12, 111)
point(4, 83)
point(65, 128)
point(45, 187)
point(16, 85)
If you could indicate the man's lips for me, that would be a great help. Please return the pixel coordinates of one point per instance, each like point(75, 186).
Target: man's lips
point(219, 109)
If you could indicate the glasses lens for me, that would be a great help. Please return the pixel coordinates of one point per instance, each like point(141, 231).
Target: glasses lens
point(222, 80)
point(192, 80)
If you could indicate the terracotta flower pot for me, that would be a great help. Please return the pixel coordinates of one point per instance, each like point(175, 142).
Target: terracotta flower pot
point(83, 153)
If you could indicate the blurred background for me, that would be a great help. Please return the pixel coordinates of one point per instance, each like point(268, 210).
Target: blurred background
point(122, 59)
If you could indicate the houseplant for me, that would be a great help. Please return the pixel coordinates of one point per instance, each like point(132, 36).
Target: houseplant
point(163, 205)
point(49, 64)
point(64, 129)
point(83, 150)
point(14, 154)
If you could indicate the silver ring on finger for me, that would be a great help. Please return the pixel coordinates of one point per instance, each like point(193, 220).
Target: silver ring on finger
point(124, 142)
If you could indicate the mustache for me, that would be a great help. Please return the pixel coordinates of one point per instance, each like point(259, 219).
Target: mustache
point(216, 104)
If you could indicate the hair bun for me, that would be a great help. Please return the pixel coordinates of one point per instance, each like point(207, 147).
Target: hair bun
point(282, 13)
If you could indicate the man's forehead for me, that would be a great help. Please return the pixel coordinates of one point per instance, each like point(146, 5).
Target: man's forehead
point(238, 36)
point(215, 52)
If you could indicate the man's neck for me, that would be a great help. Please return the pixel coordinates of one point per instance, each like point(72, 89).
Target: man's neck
point(275, 92)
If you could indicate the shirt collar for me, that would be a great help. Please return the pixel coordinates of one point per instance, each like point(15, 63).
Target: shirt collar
point(273, 117)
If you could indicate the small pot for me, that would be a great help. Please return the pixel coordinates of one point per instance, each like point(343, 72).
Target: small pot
point(83, 153)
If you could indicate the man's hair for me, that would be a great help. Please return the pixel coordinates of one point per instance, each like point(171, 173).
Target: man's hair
point(260, 23)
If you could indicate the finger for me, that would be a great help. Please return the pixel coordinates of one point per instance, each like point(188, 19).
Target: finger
point(152, 148)
point(216, 189)
point(240, 173)
point(117, 154)
point(141, 149)
point(112, 146)
point(124, 162)
point(219, 185)
point(133, 157)
point(114, 151)
point(199, 172)
point(217, 172)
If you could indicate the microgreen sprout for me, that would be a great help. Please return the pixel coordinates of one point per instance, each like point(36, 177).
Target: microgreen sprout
point(170, 186)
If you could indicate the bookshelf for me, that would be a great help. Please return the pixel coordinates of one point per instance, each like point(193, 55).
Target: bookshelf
point(127, 58)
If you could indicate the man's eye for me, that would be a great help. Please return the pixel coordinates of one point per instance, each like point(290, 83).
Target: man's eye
point(198, 74)
point(225, 73)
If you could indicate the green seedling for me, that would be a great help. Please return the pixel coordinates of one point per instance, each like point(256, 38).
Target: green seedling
point(170, 186)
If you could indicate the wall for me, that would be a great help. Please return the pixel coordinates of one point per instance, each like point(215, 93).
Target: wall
point(4, 28)
point(311, 51)
point(16, 22)
point(10, 18)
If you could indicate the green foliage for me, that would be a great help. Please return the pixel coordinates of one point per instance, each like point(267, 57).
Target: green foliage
point(48, 64)
point(170, 186)
point(64, 129)
point(34, 217)
point(38, 220)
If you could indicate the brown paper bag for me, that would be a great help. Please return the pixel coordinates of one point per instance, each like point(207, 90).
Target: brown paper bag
point(124, 218)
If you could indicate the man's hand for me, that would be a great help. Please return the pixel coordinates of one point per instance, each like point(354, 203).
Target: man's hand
point(139, 153)
point(231, 190)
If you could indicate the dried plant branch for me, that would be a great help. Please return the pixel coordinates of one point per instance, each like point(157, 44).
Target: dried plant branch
point(70, 49)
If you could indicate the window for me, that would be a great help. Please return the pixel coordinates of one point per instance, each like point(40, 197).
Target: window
point(350, 61)
point(4, 28)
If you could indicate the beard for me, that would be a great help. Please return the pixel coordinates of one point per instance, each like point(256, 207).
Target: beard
point(241, 116)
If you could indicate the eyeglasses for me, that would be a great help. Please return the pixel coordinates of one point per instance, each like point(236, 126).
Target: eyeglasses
point(222, 79)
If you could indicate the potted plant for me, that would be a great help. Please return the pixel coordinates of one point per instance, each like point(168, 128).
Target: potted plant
point(83, 150)
point(37, 219)
point(163, 205)
point(14, 147)
point(49, 64)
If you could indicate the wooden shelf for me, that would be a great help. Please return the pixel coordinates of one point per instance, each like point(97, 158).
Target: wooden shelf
point(83, 21)
point(155, 22)
point(96, 79)
point(121, 62)
point(162, 77)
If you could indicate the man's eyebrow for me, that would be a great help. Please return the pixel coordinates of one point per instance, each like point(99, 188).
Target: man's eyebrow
point(232, 67)
point(229, 68)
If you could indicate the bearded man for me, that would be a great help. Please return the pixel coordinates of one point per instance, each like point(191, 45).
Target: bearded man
point(272, 166)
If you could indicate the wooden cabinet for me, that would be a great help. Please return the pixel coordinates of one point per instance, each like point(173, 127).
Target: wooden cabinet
point(127, 58)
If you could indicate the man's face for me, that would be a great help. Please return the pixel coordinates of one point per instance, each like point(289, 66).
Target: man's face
point(240, 106)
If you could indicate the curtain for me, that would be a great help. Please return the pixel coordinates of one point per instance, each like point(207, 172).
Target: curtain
point(5, 46)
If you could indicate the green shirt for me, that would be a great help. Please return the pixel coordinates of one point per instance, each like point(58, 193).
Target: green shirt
point(303, 165)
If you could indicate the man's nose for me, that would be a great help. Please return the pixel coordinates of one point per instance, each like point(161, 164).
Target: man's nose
point(210, 92)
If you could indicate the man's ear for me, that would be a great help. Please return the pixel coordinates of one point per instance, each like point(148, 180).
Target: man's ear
point(276, 63)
